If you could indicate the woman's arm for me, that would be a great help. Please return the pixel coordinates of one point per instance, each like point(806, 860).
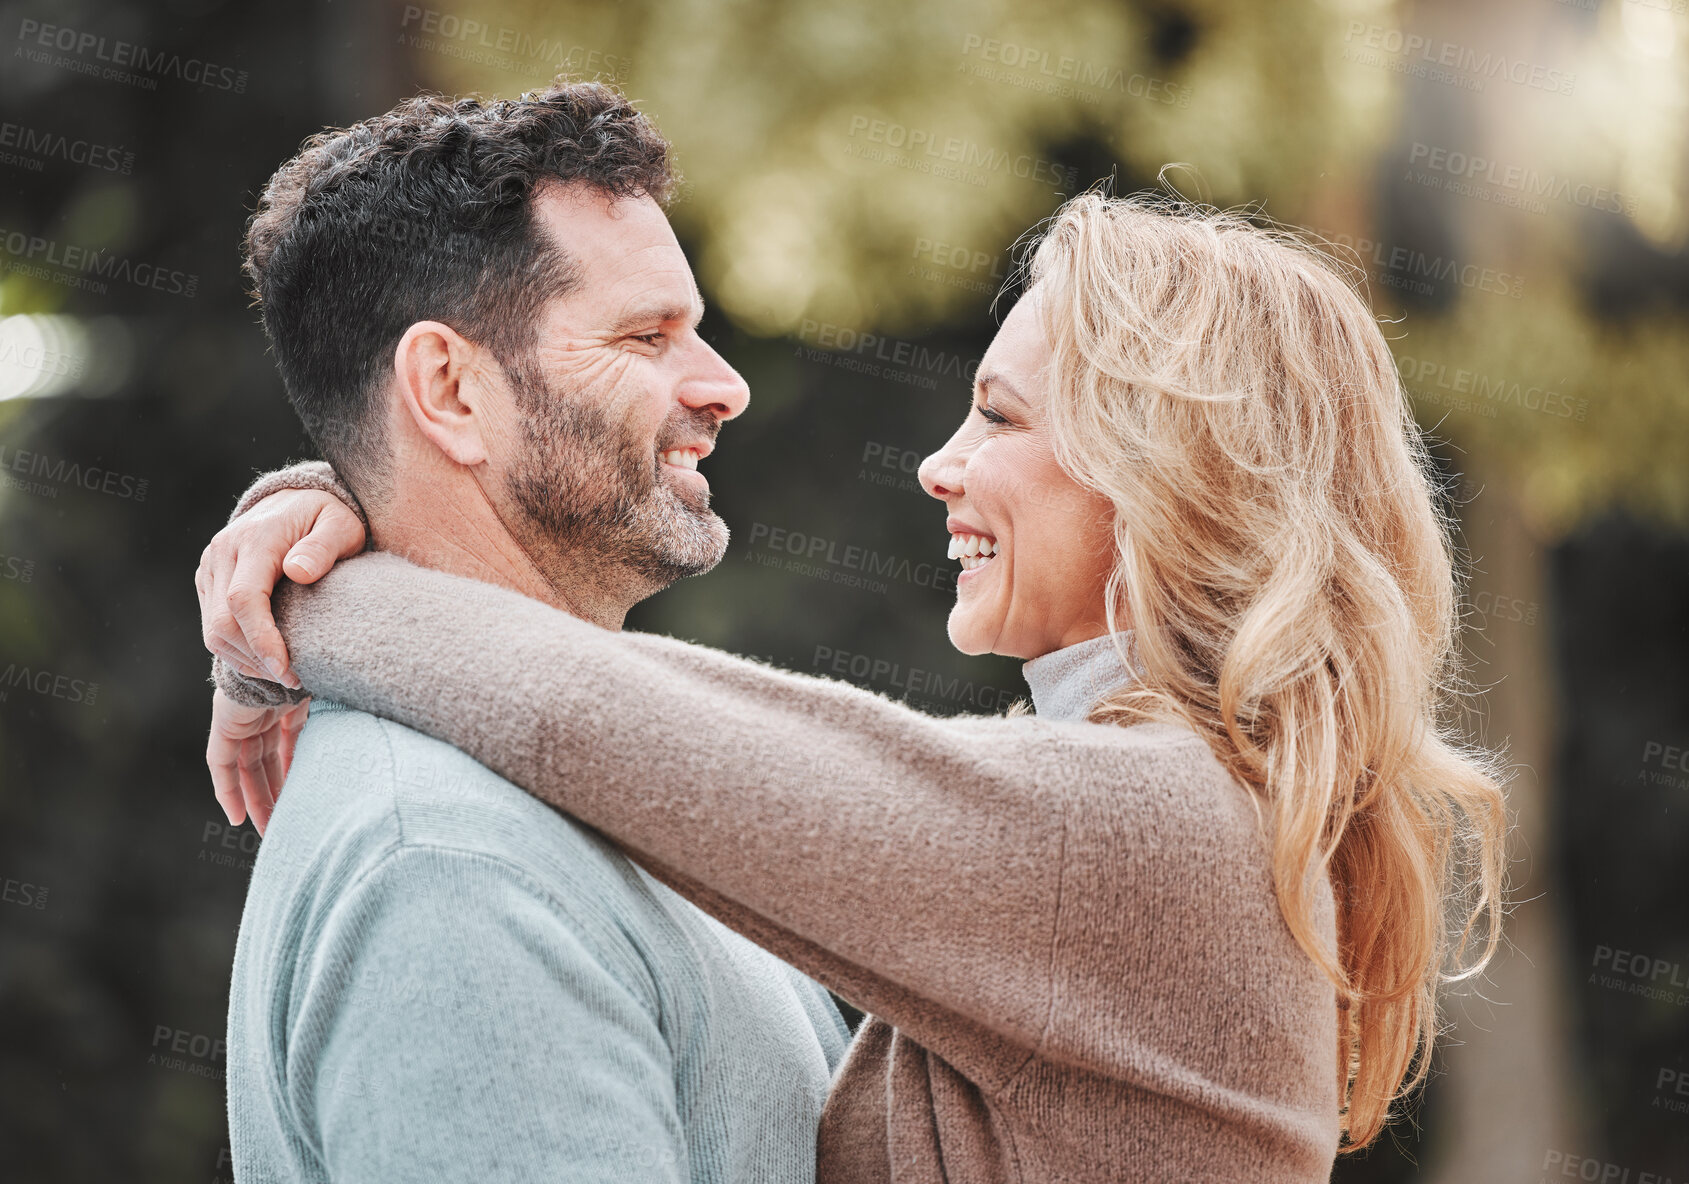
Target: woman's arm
point(914, 864)
point(298, 521)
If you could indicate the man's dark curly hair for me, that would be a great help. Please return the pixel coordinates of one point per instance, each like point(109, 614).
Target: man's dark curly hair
point(425, 213)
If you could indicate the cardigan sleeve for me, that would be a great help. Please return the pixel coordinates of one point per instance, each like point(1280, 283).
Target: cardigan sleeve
point(911, 863)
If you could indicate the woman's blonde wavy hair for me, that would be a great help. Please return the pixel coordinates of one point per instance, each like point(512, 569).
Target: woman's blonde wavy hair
point(1291, 586)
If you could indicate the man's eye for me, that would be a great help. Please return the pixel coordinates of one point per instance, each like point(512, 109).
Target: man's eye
point(649, 338)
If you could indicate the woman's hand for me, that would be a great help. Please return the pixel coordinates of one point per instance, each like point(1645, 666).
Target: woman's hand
point(249, 753)
point(299, 533)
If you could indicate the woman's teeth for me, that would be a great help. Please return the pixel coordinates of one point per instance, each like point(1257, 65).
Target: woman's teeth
point(974, 550)
point(686, 458)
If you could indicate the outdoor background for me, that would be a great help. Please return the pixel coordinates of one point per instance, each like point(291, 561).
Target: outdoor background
point(1511, 174)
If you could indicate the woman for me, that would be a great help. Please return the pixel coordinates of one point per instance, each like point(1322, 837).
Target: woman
point(1186, 922)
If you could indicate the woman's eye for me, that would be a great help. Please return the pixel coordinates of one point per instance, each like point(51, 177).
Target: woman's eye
point(990, 415)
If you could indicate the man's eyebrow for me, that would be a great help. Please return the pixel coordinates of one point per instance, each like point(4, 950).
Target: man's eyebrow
point(658, 314)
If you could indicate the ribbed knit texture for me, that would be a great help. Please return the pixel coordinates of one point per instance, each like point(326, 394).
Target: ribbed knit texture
point(439, 980)
point(1068, 682)
point(1066, 933)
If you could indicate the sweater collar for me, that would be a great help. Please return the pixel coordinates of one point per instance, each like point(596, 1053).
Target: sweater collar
point(1068, 682)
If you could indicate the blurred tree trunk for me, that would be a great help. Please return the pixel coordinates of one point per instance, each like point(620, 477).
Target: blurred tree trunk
point(1504, 1095)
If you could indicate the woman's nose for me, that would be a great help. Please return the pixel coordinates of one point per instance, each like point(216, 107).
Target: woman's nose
point(941, 473)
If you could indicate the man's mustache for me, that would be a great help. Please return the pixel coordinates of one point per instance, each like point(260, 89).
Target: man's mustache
point(686, 427)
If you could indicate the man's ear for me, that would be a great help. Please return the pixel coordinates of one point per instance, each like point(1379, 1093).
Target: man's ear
point(442, 383)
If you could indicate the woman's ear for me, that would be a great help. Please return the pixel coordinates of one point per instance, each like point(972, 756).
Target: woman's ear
point(441, 382)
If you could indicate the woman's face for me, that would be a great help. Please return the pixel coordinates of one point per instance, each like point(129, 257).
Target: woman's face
point(1036, 548)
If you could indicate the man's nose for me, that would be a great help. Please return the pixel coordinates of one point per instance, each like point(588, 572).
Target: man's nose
point(713, 384)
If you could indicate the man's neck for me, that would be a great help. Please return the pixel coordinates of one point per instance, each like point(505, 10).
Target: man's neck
point(472, 547)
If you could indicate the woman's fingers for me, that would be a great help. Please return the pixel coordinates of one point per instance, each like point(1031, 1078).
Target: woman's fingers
point(335, 534)
point(255, 782)
point(291, 724)
point(271, 763)
point(222, 757)
point(257, 571)
point(219, 630)
point(248, 754)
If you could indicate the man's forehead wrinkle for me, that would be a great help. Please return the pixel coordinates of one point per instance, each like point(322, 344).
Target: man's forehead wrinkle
point(659, 298)
point(661, 263)
point(616, 294)
point(623, 262)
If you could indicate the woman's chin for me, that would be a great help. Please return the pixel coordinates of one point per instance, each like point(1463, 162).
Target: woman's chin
point(965, 632)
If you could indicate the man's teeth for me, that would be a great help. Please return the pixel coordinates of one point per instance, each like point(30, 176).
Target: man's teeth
point(686, 458)
point(974, 550)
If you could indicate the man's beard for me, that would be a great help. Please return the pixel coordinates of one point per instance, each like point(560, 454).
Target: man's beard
point(585, 489)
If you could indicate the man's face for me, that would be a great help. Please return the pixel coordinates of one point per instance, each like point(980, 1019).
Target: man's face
point(616, 404)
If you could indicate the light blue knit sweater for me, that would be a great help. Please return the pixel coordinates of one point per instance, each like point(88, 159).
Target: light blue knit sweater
point(438, 978)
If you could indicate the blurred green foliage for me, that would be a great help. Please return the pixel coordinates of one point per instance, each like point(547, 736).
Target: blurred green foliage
point(776, 110)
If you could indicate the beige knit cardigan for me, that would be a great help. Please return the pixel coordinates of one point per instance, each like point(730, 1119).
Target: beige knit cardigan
point(1065, 933)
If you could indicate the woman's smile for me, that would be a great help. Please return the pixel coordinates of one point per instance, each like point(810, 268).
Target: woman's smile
point(973, 549)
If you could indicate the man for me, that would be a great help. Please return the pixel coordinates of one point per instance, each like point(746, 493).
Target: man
point(486, 324)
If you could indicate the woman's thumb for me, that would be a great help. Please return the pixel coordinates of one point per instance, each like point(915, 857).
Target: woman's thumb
point(333, 537)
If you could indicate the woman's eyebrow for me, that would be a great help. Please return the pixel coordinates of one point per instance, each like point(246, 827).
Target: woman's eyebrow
point(992, 382)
